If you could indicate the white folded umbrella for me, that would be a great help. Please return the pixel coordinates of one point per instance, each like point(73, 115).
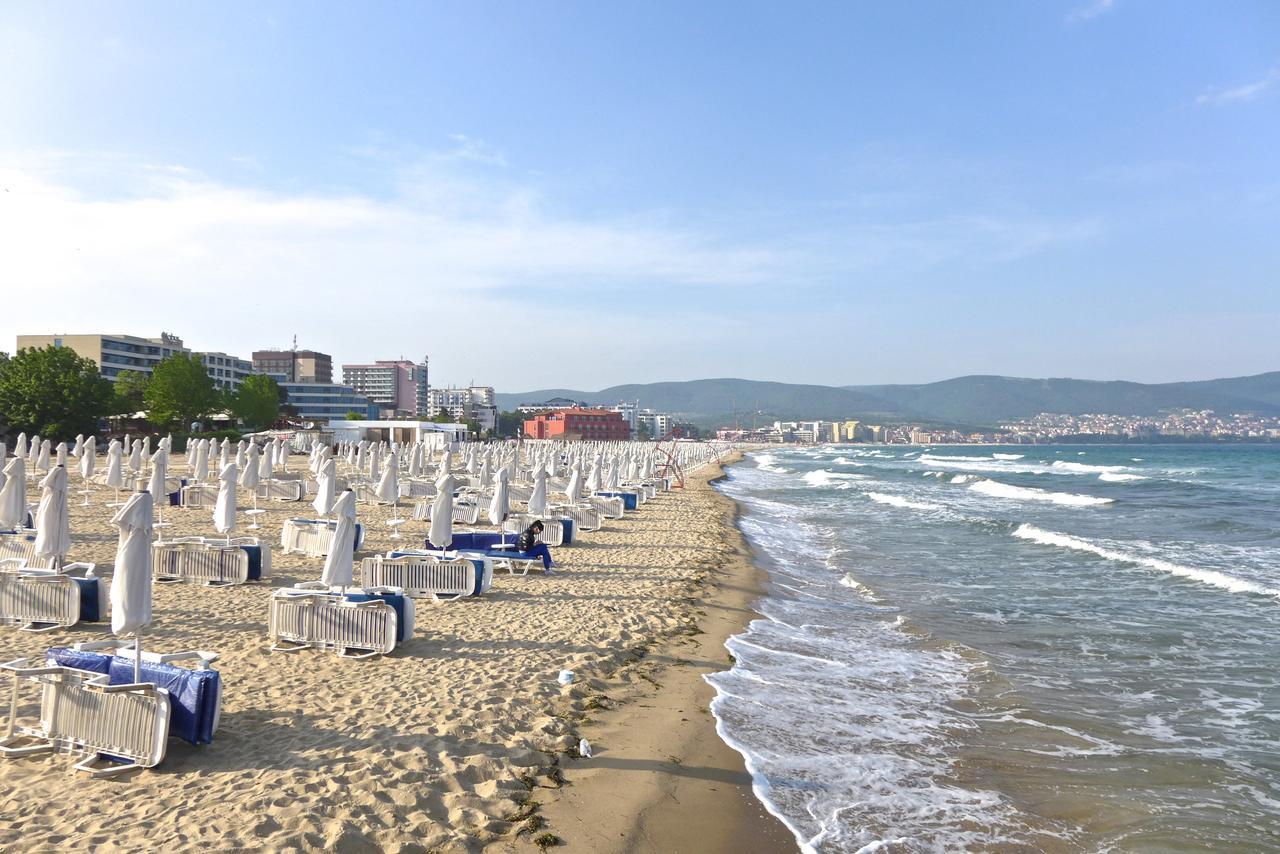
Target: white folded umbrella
point(53, 523)
point(441, 533)
point(13, 494)
point(338, 563)
point(131, 576)
point(224, 510)
point(325, 485)
point(135, 457)
point(20, 447)
point(388, 488)
point(500, 504)
point(538, 500)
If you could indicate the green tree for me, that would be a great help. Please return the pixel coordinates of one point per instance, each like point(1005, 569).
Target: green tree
point(131, 392)
point(53, 391)
point(352, 415)
point(257, 402)
point(510, 424)
point(443, 417)
point(643, 432)
point(180, 392)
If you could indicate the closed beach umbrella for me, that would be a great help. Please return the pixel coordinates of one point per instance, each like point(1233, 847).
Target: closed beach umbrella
point(265, 463)
point(60, 454)
point(33, 455)
point(53, 525)
point(88, 455)
point(20, 447)
point(224, 454)
point(593, 479)
point(251, 473)
point(13, 495)
point(338, 571)
point(131, 578)
point(135, 457)
point(115, 468)
point(500, 504)
point(146, 453)
point(388, 488)
point(486, 474)
point(79, 446)
point(200, 471)
point(43, 457)
point(159, 472)
point(240, 458)
point(224, 511)
point(574, 490)
point(538, 500)
point(325, 488)
point(441, 533)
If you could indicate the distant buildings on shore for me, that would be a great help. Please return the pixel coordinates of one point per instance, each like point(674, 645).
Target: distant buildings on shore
point(1181, 424)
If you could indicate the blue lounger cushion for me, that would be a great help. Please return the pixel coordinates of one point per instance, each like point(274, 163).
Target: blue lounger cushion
point(508, 553)
point(630, 501)
point(404, 626)
point(255, 561)
point(93, 599)
point(193, 694)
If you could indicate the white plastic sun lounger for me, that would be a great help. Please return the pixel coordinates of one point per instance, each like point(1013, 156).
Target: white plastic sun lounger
point(281, 490)
point(89, 704)
point(199, 495)
point(19, 548)
point(410, 488)
point(421, 576)
point(312, 537)
point(584, 518)
point(552, 531)
point(609, 508)
point(38, 600)
point(463, 514)
point(359, 624)
point(216, 563)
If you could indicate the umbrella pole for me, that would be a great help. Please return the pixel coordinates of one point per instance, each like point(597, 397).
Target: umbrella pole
point(137, 656)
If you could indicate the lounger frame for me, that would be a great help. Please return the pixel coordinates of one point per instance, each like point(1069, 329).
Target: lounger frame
point(303, 619)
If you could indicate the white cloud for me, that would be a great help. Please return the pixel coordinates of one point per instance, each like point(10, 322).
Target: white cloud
point(1218, 96)
point(1089, 11)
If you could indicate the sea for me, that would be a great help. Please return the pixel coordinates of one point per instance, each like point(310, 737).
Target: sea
point(1021, 648)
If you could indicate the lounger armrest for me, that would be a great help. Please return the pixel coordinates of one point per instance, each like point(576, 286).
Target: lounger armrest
point(13, 563)
point(18, 667)
point(311, 585)
point(370, 603)
point(81, 566)
point(94, 646)
point(204, 656)
point(103, 688)
point(396, 591)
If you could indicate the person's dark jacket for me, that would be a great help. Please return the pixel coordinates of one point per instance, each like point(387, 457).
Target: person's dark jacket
point(527, 540)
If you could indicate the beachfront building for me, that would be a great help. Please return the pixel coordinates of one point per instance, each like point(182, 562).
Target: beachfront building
point(657, 423)
point(113, 353)
point(399, 387)
point(600, 425)
point(472, 403)
point(294, 366)
point(401, 431)
point(552, 405)
point(226, 371)
point(324, 402)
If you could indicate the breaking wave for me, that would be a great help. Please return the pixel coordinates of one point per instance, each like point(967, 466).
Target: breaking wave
point(1030, 493)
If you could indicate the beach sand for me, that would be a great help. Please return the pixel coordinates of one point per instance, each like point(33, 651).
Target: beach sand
point(455, 740)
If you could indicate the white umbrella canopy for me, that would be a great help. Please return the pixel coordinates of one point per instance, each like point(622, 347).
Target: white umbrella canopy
point(88, 457)
point(338, 564)
point(593, 479)
point(224, 454)
point(224, 510)
point(500, 504)
point(265, 463)
point(441, 533)
point(78, 446)
point(159, 472)
point(115, 466)
point(43, 457)
point(388, 488)
point(538, 500)
point(53, 523)
point(486, 474)
point(325, 483)
point(573, 491)
point(146, 450)
point(13, 494)
point(362, 455)
point(135, 457)
point(20, 447)
point(200, 471)
point(611, 482)
point(60, 454)
point(251, 472)
point(240, 455)
point(131, 576)
point(128, 444)
point(33, 455)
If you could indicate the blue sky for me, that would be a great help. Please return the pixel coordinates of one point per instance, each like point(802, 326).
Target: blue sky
point(583, 194)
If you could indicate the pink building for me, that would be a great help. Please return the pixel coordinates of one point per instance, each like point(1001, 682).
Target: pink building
point(398, 387)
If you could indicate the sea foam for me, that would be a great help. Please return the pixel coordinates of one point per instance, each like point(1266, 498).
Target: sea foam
point(1205, 576)
point(1029, 493)
point(899, 501)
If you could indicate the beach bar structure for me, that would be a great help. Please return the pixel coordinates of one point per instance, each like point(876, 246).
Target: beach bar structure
point(401, 432)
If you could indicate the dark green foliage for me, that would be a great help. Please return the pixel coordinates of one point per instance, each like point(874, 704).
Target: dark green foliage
point(53, 391)
point(180, 392)
point(257, 402)
point(131, 393)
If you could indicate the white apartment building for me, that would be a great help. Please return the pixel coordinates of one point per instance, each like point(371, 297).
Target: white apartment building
point(227, 372)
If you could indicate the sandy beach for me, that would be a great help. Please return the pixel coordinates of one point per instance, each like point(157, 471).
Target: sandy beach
point(462, 739)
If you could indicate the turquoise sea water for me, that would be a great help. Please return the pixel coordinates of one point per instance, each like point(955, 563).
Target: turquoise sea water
point(1053, 648)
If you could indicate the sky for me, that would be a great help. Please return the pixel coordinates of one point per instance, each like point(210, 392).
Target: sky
point(578, 195)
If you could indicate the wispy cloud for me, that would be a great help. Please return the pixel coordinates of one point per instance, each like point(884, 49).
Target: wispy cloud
point(1220, 96)
point(1089, 11)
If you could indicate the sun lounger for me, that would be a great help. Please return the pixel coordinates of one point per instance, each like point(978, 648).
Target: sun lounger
point(199, 495)
point(281, 490)
point(412, 488)
point(312, 537)
point(553, 530)
point(463, 513)
point(89, 704)
point(427, 575)
point(214, 562)
point(610, 507)
point(357, 624)
point(39, 600)
point(584, 518)
point(630, 500)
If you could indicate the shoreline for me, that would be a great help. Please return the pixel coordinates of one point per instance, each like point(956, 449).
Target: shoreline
point(659, 767)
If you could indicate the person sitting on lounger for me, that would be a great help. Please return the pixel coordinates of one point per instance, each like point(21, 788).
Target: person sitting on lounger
point(528, 544)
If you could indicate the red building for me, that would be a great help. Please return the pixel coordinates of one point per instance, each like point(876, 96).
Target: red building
point(599, 425)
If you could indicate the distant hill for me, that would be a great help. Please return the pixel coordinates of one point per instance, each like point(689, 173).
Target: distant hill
point(972, 400)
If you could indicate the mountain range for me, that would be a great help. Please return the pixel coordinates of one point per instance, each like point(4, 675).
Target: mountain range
point(970, 401)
